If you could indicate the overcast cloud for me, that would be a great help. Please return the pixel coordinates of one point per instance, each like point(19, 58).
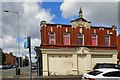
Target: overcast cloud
point(99, 13)
point(30, 15)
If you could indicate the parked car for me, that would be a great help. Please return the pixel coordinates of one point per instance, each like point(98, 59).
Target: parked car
point(7, 66)
point(14, 66)
point(34, 66)
point(104, 65)
point(1, 67)
point(102, 74)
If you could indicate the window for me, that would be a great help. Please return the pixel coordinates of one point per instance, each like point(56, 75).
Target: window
point(51, 38)
point(94, 72)
point(80, 39)
point(104, 65)
point(94, 39)
point(66, 38)
point(112, 74)
point(107, 40)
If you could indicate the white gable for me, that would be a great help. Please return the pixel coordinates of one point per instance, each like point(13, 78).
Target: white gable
point(82, 50)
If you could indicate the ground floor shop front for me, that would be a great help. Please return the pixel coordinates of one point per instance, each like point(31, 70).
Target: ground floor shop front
point(74, 61)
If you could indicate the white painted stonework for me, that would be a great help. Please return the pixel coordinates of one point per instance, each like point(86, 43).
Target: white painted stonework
point(74, 61)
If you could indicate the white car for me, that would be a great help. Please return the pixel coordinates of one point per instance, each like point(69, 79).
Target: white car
point(102, 74)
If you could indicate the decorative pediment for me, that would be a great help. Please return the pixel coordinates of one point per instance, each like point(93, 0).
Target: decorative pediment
point(80, 22)
point(82, 50)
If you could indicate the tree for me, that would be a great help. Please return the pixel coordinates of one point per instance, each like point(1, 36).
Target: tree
point(3, 58)
point(26, 61)
point(0, 56)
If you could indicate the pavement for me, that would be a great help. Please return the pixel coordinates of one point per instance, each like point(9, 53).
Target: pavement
point(25, 76)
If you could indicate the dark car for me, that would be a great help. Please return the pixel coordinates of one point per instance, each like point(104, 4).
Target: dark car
point(34, 66)
point(104, 65)
point(7, 66)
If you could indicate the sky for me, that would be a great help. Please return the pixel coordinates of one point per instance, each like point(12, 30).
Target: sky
point(32, 13)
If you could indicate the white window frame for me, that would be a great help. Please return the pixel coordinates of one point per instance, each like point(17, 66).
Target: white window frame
point(69, 38)
point(54, 38)
point(109, 39)
point(96, 39)
point(82, 38)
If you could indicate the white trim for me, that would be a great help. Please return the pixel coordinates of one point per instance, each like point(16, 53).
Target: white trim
point(45, 25)
point(94, 31)
point(108, 32)
point(73, 26)
point(66, 29)
point(41, 25)
point(111, 33)
point(82, 38)
point(100, 28)
point(109, 40)
point(96, 39)
point(59, 26)
point(69, 38)
point(80, 30)
point(51, 29)
point(54, 38)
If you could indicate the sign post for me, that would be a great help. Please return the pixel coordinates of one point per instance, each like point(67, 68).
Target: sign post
point(27, 44)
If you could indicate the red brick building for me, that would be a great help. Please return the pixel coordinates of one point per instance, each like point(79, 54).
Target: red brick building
point(9, 58)
point(87, 36)
point(74, 49)
point(118, 46)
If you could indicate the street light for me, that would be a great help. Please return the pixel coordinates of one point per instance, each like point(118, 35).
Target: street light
point(18, 36)
point(22, 60)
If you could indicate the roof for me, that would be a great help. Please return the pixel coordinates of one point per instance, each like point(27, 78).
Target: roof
point(106, 27)
point(58, 24)
point(107, 70)
point(80, 19)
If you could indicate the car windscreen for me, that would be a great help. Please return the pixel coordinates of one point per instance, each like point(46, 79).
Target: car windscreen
point(109, 66)
point(97, 66)
point(112, 74)
point(94, 73)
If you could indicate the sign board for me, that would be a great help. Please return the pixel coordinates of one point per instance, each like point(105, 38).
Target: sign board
point(26, 42)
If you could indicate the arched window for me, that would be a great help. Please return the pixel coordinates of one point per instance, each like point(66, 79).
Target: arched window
point(94, 39)
point(107, 40)
point(66, 38)
point(80, 39)
point(51, 36)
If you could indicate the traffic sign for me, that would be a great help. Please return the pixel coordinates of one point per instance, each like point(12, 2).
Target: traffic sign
point(26, 42)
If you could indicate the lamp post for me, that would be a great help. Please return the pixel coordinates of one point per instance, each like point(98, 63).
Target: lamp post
point(18, 36)
point(22, 60)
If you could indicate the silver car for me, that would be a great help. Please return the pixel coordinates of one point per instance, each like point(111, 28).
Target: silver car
point(102, 74)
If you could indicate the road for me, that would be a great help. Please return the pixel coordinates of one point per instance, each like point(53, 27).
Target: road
point(0, 74)
point(6, 73)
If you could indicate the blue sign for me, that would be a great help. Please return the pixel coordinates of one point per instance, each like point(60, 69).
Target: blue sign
point(26, 42)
